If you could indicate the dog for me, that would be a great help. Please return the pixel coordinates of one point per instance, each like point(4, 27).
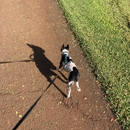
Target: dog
point(69, 66)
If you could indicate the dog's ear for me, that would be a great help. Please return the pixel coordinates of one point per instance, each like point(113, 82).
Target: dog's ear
point(67, 47)
point(62, 47)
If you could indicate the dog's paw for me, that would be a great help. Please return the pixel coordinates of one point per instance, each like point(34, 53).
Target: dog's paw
point(68, 96)
point(79, 89)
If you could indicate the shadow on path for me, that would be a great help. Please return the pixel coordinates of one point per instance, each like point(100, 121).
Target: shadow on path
point(5, 62)
point(44, 65)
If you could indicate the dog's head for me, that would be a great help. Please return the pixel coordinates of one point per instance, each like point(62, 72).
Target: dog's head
point(65, 49)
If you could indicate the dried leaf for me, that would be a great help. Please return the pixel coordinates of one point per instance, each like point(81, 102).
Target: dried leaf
point(16, 112)
point(20, 116)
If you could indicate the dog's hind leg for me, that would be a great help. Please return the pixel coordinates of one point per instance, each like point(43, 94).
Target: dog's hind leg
point(69, 88)
point(69, 91)
point(77, 85)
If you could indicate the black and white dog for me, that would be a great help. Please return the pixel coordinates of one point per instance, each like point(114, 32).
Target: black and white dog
point(69, 66)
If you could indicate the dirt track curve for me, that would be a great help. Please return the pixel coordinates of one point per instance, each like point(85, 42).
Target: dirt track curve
point(32, 33)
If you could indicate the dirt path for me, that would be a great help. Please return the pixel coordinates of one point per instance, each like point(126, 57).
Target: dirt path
point(27, 69)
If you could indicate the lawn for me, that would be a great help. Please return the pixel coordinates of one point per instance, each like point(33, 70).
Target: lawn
point(102, 28)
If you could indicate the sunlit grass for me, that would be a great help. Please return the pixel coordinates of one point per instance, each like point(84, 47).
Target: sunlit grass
point(101, 27)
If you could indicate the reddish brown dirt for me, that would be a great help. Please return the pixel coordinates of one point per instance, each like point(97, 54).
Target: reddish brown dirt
point(26, 70)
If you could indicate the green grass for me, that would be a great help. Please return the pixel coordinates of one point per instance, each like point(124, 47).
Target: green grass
point(101, 27)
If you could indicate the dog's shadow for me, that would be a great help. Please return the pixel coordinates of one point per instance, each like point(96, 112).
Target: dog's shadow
point(44, 65)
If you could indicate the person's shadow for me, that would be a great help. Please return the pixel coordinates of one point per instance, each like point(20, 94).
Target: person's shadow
point(44, 65)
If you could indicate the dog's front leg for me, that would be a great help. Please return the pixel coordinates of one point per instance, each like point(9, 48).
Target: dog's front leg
point(69, 91)
point(60, 64)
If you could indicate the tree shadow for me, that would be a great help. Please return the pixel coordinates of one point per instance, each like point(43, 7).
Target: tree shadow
point(44, 65)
